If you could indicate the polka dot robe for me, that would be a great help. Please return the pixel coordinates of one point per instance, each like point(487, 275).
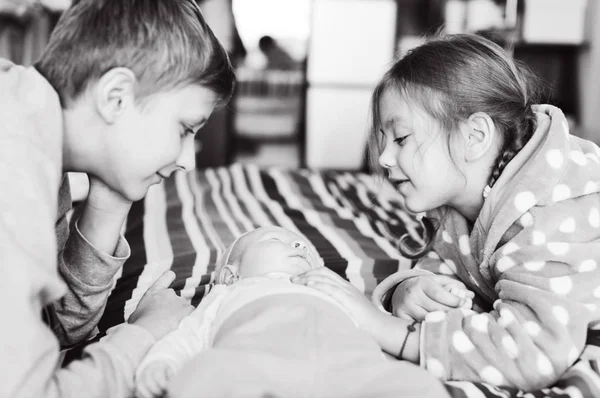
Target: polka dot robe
point(532, 258)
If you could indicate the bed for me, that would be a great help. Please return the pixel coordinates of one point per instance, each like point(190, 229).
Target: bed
point(352, 219)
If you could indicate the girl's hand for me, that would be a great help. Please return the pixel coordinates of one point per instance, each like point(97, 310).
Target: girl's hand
point(415, 297)
point(349, 297)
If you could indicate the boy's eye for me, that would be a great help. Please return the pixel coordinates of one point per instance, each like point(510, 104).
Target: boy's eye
point(187, 131)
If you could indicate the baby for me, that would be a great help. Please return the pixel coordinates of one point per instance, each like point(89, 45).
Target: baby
point(257, 334)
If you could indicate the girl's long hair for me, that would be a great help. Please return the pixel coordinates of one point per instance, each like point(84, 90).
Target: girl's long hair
point(450, 78)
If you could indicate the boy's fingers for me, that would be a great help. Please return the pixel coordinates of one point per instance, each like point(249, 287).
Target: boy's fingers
point(163, 281)
point(440, 295)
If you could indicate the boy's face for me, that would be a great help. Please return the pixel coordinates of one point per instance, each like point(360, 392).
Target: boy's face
point(275, 249)
point(152, 140)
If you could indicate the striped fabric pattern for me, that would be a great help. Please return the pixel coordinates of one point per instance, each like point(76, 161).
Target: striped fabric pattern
point(352, 220)
point(186, 222)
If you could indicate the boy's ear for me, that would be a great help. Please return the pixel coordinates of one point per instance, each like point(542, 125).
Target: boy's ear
point(479, 135)
point(114, 92)
point(228, 274)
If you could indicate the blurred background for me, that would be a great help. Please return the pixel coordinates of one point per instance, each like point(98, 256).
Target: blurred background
point(306, 68)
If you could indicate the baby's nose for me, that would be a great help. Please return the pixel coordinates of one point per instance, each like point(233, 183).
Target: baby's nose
point(299, 245)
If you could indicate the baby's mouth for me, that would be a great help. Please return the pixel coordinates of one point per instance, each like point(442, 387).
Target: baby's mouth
point(305, 258)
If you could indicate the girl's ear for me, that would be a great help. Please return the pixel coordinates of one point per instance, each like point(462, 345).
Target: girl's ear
point(228, 275)
point(479, 135)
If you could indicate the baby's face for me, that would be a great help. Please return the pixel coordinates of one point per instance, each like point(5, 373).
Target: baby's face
point(275, 249)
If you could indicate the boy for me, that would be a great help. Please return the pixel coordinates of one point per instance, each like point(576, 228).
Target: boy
point(119, 93)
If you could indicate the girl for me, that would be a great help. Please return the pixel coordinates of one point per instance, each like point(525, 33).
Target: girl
point(513, 213)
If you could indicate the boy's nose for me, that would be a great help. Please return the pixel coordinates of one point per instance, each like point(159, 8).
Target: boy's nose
point(187, 156)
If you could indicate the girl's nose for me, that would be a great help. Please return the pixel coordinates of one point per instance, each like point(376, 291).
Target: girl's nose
point(387, 159)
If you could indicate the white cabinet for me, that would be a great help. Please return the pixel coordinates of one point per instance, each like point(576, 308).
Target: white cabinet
point(351, 46)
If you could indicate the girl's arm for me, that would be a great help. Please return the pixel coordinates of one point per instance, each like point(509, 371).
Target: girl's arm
point(389, 331)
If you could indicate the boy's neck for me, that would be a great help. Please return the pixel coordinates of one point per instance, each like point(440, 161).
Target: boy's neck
point(79, 151)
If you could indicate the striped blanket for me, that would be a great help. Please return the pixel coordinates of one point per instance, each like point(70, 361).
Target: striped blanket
point(351, 218)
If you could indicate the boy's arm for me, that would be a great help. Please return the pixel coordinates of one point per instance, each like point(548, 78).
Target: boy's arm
point(29, 280)
point(87, 270)
point(171, 352)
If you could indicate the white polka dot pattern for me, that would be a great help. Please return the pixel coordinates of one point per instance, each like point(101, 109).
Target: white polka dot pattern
point(561, 285)
point(544, 365)
point(504, 264)
point(435, 316)
point(588, 265)
point(554, 158)
point(538, 238)
point(572, 355)
point(480, 323)
point(461, 342)
point(578, 158)
point(535, 266)
point(509, 248)
point(492, 375)
point(524, 201)
point(594, 218)
point(568, 226)
point(561, 192)
point(463, 244)
point(446, 237)
point(506, 317)
point(561, 314)
point(590, 187)
point(532, 328)
point(510, 346)
point(526, 220)
point(435, 367)
point(558, 248)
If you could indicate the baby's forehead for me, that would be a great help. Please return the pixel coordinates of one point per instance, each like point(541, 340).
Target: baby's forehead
point(262, 232)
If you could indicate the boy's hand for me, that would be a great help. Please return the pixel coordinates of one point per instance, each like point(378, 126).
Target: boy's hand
point(160, 310)
point(415, 297)
point(106, 200)
point(103, 216)
point(352, 299)
point(152, 381)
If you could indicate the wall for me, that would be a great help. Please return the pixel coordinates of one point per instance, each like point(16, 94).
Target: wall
point(589, 76)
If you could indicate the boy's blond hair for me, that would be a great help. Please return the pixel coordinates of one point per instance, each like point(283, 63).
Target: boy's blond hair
point(166, 43)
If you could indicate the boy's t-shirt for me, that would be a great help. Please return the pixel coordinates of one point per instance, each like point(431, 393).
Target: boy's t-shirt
point(31, 278)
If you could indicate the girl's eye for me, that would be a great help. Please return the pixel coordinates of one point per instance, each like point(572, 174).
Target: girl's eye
point(400, 140)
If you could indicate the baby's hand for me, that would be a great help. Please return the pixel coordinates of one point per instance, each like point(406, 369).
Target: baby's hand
point(414, 298)
point(152, 381)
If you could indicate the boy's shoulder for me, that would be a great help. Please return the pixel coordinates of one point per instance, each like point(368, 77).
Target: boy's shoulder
point(26, 89)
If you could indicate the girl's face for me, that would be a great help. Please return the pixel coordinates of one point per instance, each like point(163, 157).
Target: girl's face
point(416, 155)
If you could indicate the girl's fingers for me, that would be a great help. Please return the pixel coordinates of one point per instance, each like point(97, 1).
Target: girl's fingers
point(320, 274)
point(440, 295)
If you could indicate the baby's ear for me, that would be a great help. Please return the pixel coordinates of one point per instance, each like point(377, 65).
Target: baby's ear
point(228, 274)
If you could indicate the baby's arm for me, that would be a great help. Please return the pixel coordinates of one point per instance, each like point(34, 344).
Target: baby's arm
point(171, 352)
